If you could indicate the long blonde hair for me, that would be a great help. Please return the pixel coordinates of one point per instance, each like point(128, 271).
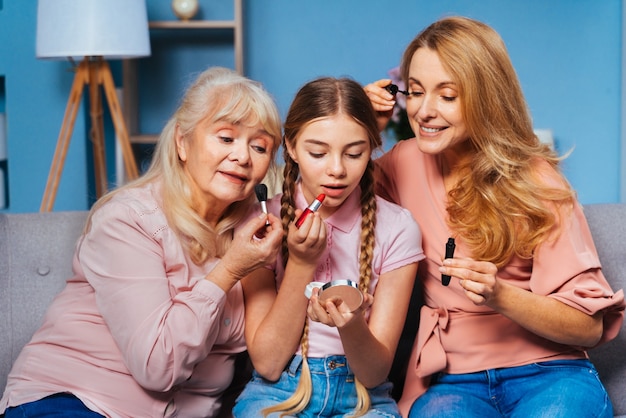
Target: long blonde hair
point(321, 98)
point(501, 207)
point(217, 94)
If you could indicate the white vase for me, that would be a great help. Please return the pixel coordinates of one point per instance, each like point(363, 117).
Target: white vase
point(185, 9)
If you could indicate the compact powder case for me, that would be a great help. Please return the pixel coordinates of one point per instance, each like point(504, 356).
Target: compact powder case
point(346, 290)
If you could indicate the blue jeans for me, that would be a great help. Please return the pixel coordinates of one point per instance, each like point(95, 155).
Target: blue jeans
point(59, 405)
point(551, 389)
point(334, 393)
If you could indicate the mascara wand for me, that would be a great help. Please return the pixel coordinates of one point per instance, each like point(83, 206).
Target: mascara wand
point(450, 246)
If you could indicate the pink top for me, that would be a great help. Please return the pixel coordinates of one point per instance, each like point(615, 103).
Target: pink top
point(457, 336)
point(398, 243)
point(137, 332)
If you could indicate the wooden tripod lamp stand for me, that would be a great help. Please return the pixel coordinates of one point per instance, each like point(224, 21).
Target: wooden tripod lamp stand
point(94, 30)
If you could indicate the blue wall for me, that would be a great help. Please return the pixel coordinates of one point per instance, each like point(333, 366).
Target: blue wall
point(567, 54)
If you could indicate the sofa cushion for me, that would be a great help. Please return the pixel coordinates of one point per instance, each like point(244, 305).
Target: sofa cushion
point(35, 261)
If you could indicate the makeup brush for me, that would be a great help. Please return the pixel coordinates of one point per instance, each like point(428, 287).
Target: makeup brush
point(261, 195)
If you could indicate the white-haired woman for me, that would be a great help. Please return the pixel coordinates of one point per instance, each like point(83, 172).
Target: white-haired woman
point(151, 321)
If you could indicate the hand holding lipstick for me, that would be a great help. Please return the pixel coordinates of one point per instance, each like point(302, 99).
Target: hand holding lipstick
point(306, 239)
point(313, 207)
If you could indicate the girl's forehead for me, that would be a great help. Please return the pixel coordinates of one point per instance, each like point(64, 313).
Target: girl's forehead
point(337, 130)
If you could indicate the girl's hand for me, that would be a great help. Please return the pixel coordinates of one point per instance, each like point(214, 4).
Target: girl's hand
point(477, 278)
point(333, 312)
point(307, 243)
point(382, 101)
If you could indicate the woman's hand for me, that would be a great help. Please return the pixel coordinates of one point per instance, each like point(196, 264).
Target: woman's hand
point(333, 312)
point(540, 314)
point(382, 101)
point(477, 278)
point(254, 245)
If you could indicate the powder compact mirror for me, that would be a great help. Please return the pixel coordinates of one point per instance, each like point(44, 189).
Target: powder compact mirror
point(346, 290)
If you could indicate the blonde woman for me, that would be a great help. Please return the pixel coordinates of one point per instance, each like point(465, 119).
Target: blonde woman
point(507, 336)
point(151, 321)
point(315, 358)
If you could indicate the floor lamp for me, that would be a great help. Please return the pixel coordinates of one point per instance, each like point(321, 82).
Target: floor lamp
point(91, 31)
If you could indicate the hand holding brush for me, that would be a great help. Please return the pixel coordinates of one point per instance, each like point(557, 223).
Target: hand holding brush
point(261, 195)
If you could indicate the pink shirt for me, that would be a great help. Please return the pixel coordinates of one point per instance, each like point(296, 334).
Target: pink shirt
point(398, 243)
point(137, 332)
point(457, 336)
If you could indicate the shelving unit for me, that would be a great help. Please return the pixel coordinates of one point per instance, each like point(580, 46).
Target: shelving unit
point(130, 93)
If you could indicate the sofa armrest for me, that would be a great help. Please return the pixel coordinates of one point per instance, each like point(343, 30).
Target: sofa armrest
point(608, 227)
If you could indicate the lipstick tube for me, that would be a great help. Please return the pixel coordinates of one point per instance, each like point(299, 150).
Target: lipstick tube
point(313, 207)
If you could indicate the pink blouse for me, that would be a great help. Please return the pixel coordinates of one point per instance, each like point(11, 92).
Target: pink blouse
point(457, 336)
point(137, 331)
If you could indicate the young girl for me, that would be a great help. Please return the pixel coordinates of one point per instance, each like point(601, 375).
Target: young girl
point(321, 358)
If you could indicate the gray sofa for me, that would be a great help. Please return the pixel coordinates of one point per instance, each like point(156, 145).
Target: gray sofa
point(35, 261)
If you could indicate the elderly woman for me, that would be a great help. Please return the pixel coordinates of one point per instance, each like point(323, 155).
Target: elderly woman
point(151, 321)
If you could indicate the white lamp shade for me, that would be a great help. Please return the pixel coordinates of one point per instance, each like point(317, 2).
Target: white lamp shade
point(114, 29)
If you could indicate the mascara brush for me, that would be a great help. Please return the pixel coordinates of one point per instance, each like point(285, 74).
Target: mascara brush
point(261, 195)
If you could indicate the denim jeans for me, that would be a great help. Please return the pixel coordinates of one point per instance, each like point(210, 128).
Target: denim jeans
point(59, 405)
point(334, 393)
point(551, 389)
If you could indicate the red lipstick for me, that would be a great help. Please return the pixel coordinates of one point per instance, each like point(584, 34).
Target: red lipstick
point(313, 207)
